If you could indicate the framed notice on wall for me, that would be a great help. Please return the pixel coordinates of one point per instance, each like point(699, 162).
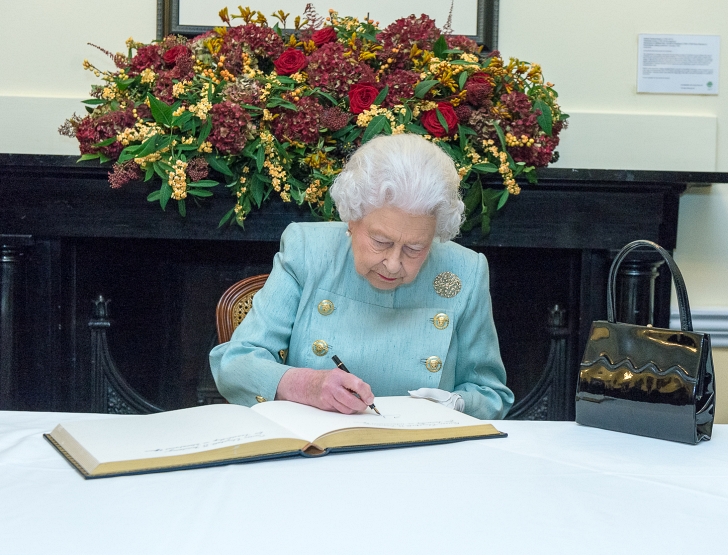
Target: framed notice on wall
point(678, 64)
point(477, 19)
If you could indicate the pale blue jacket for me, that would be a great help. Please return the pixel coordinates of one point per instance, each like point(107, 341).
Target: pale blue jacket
point(383, 337)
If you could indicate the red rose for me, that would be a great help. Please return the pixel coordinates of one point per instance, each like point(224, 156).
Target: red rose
point(171, 55)
point(290, 62)
point(322, 36)
point(431, 122)
point(361, 96)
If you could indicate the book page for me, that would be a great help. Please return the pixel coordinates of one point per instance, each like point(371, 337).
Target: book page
point(178, 432)
point(398, 413)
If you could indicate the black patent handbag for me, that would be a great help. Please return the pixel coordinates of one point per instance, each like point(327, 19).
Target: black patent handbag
point(644, 380)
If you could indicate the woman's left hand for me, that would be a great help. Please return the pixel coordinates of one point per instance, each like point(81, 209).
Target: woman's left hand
point(332, 390)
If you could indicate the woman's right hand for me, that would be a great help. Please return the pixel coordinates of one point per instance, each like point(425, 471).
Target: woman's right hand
point(332, 390)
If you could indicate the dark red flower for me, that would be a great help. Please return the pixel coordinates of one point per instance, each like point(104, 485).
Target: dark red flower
point(198, 168)
point(463, 43)
point(431, 122)
point(300, 125)
point(290, 62)
point(478, 89)
point(323, 36)
point(401, 83)
point(229, 123)
point(517, 103)
point(398, 38)
point(334, 72)
point(171, 55)
point(334, 118)
point(124, 173)
point(262, 42)
point(361, 96)
point(92, 130)
point(146, 57)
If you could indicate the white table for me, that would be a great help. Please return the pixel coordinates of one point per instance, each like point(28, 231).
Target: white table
point(550, 487)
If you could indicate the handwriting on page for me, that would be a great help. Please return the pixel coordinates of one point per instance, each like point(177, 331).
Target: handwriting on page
point(212, 444)
point(407, 425)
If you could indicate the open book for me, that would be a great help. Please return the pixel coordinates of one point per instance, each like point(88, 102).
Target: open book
point(222, 434)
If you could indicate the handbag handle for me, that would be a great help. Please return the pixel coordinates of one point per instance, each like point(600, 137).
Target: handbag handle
point(686, 321)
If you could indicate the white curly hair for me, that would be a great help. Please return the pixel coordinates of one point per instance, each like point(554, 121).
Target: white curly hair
point(404, 171)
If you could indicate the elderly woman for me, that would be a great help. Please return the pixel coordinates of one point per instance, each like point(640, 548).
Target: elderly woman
point(386, 290)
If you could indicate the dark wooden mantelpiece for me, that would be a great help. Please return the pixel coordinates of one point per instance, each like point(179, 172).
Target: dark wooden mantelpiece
point(67, 237)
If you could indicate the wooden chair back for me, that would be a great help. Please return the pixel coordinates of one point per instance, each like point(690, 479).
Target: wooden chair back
point(235, 304)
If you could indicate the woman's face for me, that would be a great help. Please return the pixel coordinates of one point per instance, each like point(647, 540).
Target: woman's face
point(390, 245)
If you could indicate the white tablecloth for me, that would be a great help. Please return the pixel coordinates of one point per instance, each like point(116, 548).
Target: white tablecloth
point(550, 487)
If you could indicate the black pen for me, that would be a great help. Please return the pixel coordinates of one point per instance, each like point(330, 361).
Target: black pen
point(341, 366)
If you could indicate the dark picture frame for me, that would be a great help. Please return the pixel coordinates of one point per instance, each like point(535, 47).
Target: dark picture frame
point(486, 33)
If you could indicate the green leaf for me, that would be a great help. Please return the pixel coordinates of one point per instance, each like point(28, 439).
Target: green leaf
point(439, 47)
point(470, 223)
point(184, 117)
point(260, 158)
point(257, 189)
point(325, 95)
point(485, 224)
point(165, 194)
point(106, 142)
point(285, 80)
point(374, 128)
point(416, 128)
point(161, 112)
point(354, 135)
point(204, 183)
point(328, 206)
point(423, 87)
point(462, 79)
point(88, 156)
point(205, 132)
point(93, 101)
point(252, 108)
point(149, 172)
point(283, 103)
point(472, 198)
point(485, 168)
point(226, 218)
point(503, 198)
point(407, 115)
point(154, 195)
point(544, 120)
point(343, 131)
point(182, 207)
point(500, 134)
point(441, 119)
point(103, 158)
point(199, 192)
point(530, 173)
point(381, 96)
point(218, 164)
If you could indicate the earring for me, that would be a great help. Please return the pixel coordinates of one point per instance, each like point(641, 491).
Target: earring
point(348, 233)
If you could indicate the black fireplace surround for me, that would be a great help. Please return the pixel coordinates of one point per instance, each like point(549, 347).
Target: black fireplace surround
point(84, 265)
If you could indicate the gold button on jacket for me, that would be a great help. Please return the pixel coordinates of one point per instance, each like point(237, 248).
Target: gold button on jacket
point(260, 399)
point(433, 364)
point(441, 321)
point(326, 307)
point(320, 347)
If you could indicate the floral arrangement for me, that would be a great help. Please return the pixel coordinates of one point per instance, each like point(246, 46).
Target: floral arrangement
point(271, 112)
